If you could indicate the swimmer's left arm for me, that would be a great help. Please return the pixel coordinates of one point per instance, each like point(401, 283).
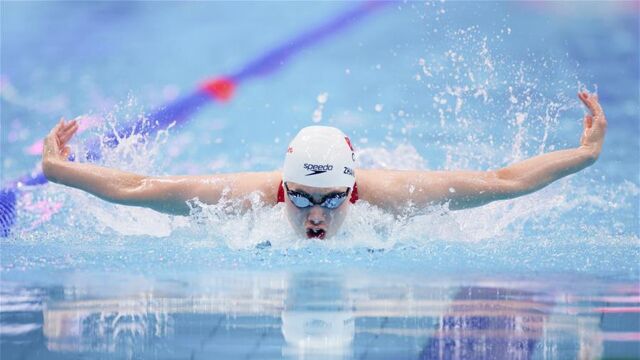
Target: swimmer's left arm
point(167, 194)
point(464, 189)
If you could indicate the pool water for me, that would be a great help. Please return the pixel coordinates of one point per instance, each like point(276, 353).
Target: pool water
point(321, 314)
point(435, 85)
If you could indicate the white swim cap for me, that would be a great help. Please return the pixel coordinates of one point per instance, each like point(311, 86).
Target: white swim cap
point(320, 156)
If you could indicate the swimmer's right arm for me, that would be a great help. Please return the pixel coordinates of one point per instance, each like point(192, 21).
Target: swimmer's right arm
point(167, 194)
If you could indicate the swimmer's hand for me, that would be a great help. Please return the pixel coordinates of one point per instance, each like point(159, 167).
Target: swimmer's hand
point(55, 146)
point(595, 125)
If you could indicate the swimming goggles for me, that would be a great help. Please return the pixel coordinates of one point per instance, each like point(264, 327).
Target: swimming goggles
point(330, 201)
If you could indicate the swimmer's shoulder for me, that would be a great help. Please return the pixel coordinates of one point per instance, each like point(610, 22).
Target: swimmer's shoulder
point(374, 185)
point(265, 183)
point(237, 185)
point(271, 183)
point(386, 188)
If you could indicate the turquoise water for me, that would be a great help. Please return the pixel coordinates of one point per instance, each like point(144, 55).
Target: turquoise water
point(442, 85)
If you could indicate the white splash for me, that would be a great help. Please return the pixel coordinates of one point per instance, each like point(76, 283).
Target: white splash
point(317, 113)
point(403, 157)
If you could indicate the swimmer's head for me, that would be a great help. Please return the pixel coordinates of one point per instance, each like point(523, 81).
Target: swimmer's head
point(319, 179)
point(320, 156)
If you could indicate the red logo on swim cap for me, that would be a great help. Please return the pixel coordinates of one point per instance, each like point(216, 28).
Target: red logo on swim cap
point(290, 150)
point(349, 143)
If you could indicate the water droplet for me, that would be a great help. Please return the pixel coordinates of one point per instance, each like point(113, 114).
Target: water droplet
point(322, 98)
point(317, 115)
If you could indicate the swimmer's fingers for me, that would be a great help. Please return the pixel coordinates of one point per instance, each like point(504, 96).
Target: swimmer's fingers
point(599, 120)
point(66, 126)
point(587, 124)
point(65, 152)
point(591, 102)
point(51, 146)
point(56, 128)
point(595, 124)
point(54, 134)
point(55, 142)
point(587, 121)
point(67, 131)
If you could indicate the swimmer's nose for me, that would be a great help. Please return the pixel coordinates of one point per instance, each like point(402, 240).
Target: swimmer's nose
point(316, 215)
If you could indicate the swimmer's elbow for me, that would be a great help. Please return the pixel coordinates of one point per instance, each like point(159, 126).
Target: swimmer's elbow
point(125, 191)
point(148, 192)
point(131, 191)
point(502, 184)
point(508, 186)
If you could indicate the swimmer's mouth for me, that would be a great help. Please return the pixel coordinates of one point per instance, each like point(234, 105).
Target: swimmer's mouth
point(316, 233)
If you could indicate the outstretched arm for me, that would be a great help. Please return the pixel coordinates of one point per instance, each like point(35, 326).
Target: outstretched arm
point(463, 189)
point(168, 194)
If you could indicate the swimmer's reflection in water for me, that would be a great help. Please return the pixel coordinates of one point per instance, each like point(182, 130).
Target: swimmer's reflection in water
point(319, 181)
point(319, 315)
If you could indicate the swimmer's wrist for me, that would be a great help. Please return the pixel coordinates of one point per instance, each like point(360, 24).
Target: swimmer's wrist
point(51, 167)
point(590, 151)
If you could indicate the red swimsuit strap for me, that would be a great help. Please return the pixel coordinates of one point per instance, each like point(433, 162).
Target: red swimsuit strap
point(281, 192)
point(353, 199)
point(354, 194)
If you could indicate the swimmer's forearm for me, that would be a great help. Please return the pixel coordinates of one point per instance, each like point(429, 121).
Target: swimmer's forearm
point(535, 173)
point(167, 194)
point(470, 189)
point(121, 187)
point(106, 183)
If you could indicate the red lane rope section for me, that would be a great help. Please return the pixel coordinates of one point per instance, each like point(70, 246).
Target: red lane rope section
point(220, 89)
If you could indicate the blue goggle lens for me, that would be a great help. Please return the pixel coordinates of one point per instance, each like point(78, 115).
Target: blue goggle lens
point(303, 200)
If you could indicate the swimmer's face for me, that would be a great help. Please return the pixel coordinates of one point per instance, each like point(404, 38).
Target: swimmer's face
point(316, 221)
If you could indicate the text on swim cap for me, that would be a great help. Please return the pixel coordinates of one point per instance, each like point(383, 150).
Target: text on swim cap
point(317, 169)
